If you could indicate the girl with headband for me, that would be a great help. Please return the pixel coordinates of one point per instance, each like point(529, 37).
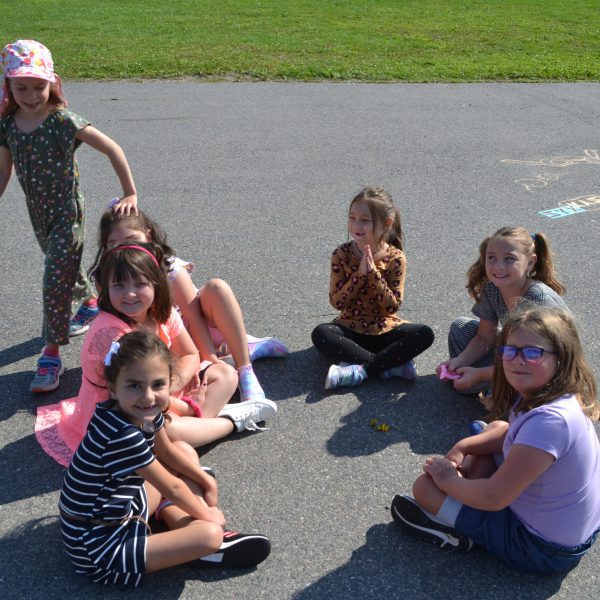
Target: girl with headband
point(134, 295)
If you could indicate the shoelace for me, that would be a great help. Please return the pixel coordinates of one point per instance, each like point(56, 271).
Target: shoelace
point(249, 422)
point(348, 376)
point(47, 368)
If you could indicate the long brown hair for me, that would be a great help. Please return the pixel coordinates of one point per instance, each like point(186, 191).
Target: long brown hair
point(536, 243)
point(381, 206)
point(573, 373)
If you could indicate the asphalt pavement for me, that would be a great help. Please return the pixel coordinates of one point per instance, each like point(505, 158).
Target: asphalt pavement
point(252, 181)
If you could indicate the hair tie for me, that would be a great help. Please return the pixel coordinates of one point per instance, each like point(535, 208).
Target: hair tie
point(112, 351)
point(112, 203)
point(136, 247)
point(533, 236)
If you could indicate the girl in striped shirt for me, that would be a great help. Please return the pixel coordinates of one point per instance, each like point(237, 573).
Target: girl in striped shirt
point(114, 482)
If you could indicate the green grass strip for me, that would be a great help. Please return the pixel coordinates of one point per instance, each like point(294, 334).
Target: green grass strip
point(366, 40)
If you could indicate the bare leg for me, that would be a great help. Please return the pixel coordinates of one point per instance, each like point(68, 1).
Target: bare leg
point(198, 432)
point(222, 310)
point(193, 539)
point(478, 467)
point(222, 382)
point(427, 494)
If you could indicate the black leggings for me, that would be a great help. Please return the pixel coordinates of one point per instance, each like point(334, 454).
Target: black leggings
point(376, 353)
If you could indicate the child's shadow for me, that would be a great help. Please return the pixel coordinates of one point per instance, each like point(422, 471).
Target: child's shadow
point(296, 374)
point(427, 414)
point(18, 352)
point(393, 565)
point(49, 573)
point(16, 395)
point(26, 471)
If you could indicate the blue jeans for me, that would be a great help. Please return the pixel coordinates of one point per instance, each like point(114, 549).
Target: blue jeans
point(504, 536)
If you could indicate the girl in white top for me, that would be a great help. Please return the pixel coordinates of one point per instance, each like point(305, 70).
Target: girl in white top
point(212, 314)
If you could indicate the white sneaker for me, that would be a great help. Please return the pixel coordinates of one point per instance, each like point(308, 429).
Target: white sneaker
point(246, 415)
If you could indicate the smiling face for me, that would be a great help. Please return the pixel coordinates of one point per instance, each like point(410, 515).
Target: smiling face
point(527, 378)
point(361, 225)
point(30, 94)
point(121, 232)
point(132, 297)
point(506, 263)
point(142, 389)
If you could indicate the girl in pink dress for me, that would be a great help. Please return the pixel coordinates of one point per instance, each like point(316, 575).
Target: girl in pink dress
point(134, 295)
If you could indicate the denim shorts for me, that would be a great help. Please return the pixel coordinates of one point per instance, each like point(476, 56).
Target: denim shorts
point(503, 535)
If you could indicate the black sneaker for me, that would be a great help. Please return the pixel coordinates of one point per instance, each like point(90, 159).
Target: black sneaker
point(412, 518)
point(239, 551)
point(209, 471)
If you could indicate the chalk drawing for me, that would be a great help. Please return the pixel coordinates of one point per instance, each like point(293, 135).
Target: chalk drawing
point(573, 206)
point(539, 181)
point(591, 157)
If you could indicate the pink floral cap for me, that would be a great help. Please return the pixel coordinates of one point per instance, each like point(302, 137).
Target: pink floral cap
point(25, 58)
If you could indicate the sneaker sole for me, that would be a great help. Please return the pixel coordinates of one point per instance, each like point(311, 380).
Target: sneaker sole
point(244, 553)
point(415, 522)
point(79, 331)
point(40, 390)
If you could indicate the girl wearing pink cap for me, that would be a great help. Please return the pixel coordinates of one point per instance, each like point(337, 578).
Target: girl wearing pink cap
point(39, 136)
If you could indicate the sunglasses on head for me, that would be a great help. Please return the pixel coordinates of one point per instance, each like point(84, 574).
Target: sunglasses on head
point(530, 354)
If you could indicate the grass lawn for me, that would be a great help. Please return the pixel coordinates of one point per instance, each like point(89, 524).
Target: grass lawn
point(368, 40)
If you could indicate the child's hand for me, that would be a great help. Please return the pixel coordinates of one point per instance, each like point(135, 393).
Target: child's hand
point(215, 515)
point(445, 374)
point(452, 365)
point(455, 455)
point(211, 493)
point(367, 264)
point(199, 393)
point(127, 205)
point(469, 378)
point(440, 470)
point(370, 261)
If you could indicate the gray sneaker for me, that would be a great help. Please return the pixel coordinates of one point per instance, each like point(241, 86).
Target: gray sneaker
point(246, 415)
point(49, 370)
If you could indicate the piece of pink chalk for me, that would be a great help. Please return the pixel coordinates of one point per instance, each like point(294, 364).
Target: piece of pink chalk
point(446, 374)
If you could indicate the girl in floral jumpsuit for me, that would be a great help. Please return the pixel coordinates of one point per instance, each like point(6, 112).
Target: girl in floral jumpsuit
point(39, 136)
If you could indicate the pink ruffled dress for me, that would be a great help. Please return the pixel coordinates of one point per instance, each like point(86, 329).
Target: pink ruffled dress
point(59, 428)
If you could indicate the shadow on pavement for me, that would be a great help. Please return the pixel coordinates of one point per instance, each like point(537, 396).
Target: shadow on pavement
point(390, 565)
point(20, 351)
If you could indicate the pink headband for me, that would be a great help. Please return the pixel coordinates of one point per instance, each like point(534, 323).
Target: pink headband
point(136, 247)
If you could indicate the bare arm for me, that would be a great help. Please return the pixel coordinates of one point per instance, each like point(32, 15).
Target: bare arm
point(175, 458)
point(6, 168)
point(186, 297)
point(522, 467)
point(489, 441)
point(97, 140)
point(188, 361)
point(177, 490)
point(479, 346)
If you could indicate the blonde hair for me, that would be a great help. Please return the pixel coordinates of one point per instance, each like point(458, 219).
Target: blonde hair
point(536, 243)
point(381, 206)
point(573, 373)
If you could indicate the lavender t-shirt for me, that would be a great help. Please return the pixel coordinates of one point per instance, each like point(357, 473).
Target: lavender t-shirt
point(563, 505)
